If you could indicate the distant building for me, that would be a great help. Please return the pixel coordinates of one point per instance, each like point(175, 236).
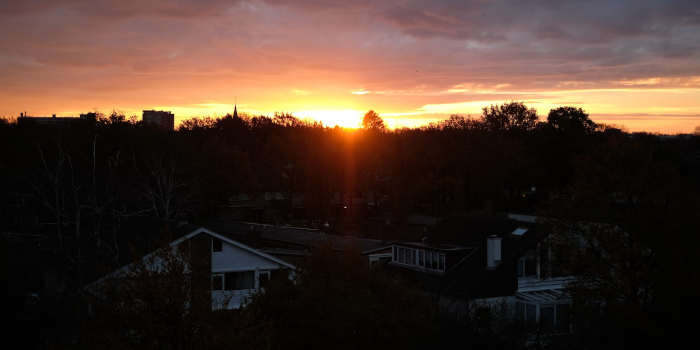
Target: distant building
point(90, 116)
point(52, 121)
point(162, 119)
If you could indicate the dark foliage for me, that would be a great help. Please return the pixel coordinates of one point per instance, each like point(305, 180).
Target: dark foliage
point(79, 186)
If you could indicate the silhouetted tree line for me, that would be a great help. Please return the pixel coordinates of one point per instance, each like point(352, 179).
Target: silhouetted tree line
point(79, 185)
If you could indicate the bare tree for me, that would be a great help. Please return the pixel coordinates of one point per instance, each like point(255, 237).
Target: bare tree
point(160, 186)
point(52, 175)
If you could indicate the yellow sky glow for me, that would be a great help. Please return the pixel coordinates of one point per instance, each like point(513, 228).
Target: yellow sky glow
point(658, 109)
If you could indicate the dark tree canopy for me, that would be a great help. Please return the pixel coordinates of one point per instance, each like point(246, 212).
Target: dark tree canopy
point(571, 120)
point(513, 116)
point(85, 187)
point(373, 121)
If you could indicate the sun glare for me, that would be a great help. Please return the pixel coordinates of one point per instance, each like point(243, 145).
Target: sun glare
point(346, 118)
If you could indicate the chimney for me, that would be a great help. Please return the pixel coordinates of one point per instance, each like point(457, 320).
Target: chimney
point(493, 252)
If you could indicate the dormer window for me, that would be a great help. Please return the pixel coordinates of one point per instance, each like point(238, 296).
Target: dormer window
point(216, 245)
point(422, 258)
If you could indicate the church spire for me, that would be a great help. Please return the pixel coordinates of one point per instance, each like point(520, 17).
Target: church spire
point(235, 111)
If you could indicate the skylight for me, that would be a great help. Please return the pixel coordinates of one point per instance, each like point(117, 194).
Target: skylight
point(519, 231)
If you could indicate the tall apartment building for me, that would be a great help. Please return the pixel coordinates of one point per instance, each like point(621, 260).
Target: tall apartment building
point(162, 119)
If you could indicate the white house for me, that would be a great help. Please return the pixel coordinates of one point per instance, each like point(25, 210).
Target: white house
point(234, 271)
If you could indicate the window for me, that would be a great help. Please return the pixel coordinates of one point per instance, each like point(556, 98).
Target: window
point(421, 258)
point(216, 244)
point(405, 255)
point(217, 282)
point(547, 317)
point(527, 266)
point(563, 317)
point(396, 253)
point(519, 311)
point(530, 313)
point(429, 259)
point(441, 265)
point(530, 267)
point(239, 280)
point(263, 278)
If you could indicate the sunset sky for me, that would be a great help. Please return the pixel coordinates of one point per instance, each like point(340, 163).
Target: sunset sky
point(634, 63)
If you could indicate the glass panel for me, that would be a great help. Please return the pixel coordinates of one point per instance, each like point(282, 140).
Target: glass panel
point(239, 280)
point(396, 253)
point(264, 277)
point(441, 267)
point(421, 260)
point(435, 260)
point(519, 311)
point(530, 313)
point(547, 317)
point(246, 280)
point(530, 267)
point(413, 256)
point(428, 259)
point(563, 317)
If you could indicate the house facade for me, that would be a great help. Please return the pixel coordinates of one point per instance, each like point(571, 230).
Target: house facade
point(506, 265)
point(224, 272)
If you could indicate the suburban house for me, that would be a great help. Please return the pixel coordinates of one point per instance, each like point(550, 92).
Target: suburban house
point(232, 260)
point(292, 244)
point(228, 271)
point(502, 263)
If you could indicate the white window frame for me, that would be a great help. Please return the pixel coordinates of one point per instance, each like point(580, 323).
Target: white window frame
point(256, 281)
point(422, 258)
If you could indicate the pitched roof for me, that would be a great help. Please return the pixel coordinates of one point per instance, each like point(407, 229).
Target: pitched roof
point(470, 278)
point(200, 230)
point(232, 242)
point(305, 238)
